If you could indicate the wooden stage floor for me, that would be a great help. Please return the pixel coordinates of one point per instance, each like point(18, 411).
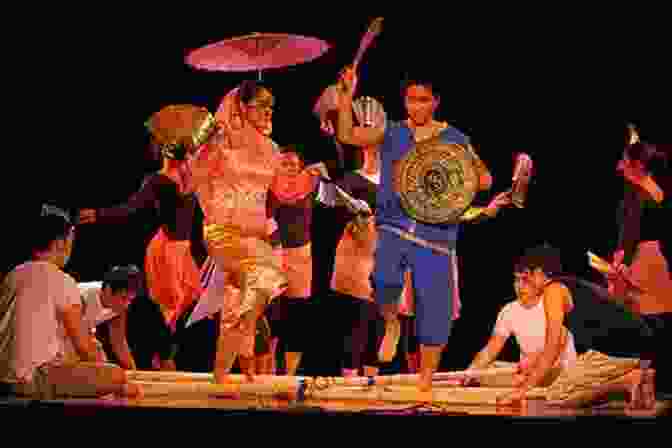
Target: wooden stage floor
point(536, 409)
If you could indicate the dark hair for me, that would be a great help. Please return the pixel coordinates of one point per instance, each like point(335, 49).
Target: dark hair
point(544, 257)
point(419, 79)
point(122, 278)
point(654, 161)
point(50, 226)
point(249, 89)
point(296, 148)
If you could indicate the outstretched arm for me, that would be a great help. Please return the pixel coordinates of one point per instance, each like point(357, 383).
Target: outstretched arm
point(479, 214)
point(81, 340)
point(120, 343)
point(332, 195)
point(144, 198)
point(484, 175)
point(489, 353)
point(556, 298)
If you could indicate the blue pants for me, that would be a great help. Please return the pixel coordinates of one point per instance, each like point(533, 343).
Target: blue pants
point(433, 284)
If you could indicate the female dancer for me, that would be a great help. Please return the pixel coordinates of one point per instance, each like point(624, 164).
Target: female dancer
point(290, 203)
point(643, 255)
point(173, 278)
point(293, 194)
point(360, 323)
point(231, 178)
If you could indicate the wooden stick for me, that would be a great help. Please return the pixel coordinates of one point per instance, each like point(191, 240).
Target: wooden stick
point(454, 395)
point(400, 394)
point(167, 376)
point(440, 378)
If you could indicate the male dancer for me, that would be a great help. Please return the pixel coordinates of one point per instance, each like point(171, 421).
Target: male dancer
point(428, 250)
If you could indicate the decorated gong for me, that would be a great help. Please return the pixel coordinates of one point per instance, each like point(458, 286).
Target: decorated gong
point(437, 181)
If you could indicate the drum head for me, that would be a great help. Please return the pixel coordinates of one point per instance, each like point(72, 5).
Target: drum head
point(437, 181)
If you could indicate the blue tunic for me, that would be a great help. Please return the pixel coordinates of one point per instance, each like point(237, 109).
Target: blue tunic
point(397, 143)
point(434, 274)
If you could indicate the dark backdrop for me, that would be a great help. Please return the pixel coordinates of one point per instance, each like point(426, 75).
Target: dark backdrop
point(560, 90)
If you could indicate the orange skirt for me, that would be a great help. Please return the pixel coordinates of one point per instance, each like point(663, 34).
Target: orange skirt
point(298, 266)
point(173, 278)
point(649, 271)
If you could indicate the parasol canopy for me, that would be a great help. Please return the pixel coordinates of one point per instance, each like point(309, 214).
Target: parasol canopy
point(257, 52)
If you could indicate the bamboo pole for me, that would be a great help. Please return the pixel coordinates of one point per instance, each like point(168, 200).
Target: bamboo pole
point(398, 394)
point(440, 379)
point(403, 394)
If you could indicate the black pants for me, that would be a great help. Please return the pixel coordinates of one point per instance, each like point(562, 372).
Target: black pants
point(291, 321)
point(660, 354)
point(409, 339)
point(359, 327)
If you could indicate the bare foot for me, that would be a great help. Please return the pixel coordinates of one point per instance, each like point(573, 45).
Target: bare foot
point(425, 395)
point(641, 388)
point(425, 383)
point(132, 390)
point(517, 398)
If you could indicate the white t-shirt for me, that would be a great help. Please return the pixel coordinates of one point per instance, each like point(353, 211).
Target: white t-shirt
point(93, 311)
point(528, 325)
point(31, 331)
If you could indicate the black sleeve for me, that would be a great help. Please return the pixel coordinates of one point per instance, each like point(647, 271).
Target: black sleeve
point(144, 198)
point(629, 232)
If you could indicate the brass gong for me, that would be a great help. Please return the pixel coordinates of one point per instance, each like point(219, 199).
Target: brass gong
point(437, 181)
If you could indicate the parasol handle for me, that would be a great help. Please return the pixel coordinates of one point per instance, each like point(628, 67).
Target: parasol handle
point(375, 28)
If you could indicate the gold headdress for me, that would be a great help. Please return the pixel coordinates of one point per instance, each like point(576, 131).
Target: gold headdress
point(180, 129)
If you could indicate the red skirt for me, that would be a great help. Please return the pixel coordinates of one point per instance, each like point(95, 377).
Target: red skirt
point(173, 278)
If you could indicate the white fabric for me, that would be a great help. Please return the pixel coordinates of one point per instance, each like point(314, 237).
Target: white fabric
point(34, 333)
point(212, 298)
point(528, 326)
point(374, 178)
point(93, 312)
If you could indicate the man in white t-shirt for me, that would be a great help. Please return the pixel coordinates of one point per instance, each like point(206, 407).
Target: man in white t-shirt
point(108, 301)
point(40, 313)
point(548, 355)
point(526, 319)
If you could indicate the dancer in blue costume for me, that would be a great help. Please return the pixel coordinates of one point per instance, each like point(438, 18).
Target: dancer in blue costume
point(429, 251)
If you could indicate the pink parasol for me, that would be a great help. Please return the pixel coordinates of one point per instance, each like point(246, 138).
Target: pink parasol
point(257, 51)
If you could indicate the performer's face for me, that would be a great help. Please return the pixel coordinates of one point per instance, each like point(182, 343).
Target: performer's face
point(528, 285)
point(290, 164)
point(64, 248)
point(420, 104)
point(119, 300)
point(259, 111)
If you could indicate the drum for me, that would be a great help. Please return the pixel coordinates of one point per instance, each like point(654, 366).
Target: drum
point(437, 181)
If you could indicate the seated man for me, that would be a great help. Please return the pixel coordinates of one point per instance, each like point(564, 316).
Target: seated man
point(108, 302)
point(40, 311)
point(549, 358)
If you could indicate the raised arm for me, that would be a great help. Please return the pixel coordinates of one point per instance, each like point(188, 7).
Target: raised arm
point(346, 132)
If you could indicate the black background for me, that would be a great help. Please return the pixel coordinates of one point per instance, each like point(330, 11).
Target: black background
point(559, 85)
